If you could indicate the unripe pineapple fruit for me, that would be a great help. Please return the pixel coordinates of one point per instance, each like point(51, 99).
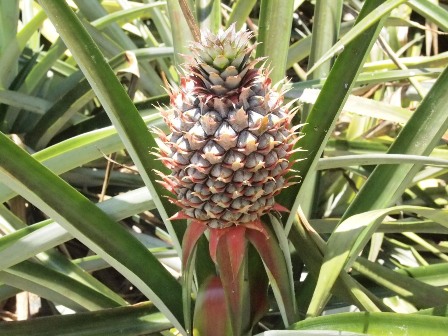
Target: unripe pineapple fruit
point(231, 134)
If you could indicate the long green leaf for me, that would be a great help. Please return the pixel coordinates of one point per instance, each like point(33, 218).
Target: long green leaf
point(34, 239)
point(419, 137)
point(117, 104)
point(56, 261)
point(349, 238)
point(377, 75)
point(126, 15)
point(31, 241)
point(378, 324)
point(12, 51)
point(240, 12)
point(364, 107)
point(91, 226)
point(24, 101)
point(209, 14)
point(347, 288)
point(149, 79)
point(182, 35)
point(375, 159)
point(327, 17)
point(70, 103)
point(133, 320)
point(299, 50)
point(55, 286)
point(412, 290)
point(274, 33)
point(431, 11)
point(362, 26)
point(77, 151)
point(9, 13)
point(415, 62)
point(395, 226)
point(435, 275)
point(322, 118)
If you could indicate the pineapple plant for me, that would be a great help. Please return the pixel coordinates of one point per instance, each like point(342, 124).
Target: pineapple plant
point(231, 134)
point(325, 264)
point(228, 152)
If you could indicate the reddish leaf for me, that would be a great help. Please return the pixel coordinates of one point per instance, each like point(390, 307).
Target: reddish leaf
point(211, 316)
point(236, 247)
point(192, 234)
point(272, 256)
point(179, 215)
point(215, 236)
point(257, 225)
point(230, 253)
point(279, 208)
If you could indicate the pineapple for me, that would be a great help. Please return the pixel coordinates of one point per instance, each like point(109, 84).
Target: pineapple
point(231, 135)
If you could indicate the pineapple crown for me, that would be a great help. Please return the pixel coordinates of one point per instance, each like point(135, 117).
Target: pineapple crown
point(226, 48)
point(220, 62)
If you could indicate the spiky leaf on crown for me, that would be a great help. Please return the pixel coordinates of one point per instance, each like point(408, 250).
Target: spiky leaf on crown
point(221, 61)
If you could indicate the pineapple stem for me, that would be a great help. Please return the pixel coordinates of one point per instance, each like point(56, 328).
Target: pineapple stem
point(190, 20)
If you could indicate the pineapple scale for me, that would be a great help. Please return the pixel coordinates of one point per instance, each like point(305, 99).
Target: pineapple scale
point(231, 135)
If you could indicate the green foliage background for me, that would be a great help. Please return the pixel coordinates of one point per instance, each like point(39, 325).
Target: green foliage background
point(85, 226)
